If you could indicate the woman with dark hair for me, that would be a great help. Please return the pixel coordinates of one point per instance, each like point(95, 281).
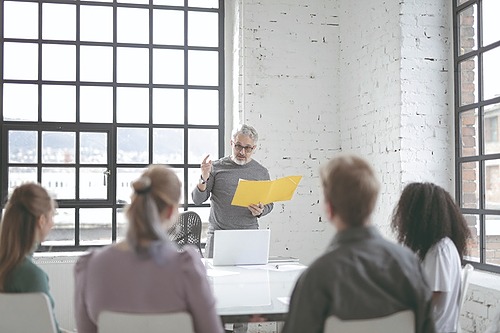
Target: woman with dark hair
point(428, 221)
point(27, 220)
point(146, 273)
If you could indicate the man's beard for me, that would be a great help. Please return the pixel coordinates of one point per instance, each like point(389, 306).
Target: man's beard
point(239, 162)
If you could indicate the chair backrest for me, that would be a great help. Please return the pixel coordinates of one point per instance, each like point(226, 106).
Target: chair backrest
point(187, 230)
point(118, 322)
point(26, 312)
point(464, 285)
point(401, 322)
point(466, 274)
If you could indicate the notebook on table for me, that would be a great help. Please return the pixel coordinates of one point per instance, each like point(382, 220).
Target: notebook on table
point(241, 247)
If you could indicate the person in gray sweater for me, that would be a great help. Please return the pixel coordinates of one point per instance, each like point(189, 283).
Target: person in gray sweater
point(219, 179)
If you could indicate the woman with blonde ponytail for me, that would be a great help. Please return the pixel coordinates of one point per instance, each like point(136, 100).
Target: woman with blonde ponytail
point(27, 219)
point(146, 273)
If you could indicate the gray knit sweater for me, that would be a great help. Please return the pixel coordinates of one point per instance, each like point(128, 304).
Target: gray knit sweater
point(221, 186)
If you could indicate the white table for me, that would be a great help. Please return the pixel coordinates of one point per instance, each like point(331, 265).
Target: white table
point(244, 291)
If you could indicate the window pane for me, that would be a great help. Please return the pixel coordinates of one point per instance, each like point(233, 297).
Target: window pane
point(473, 223)
point(133, 65)
point(492, 184)
point(121, 225)
point(469, 123)
point(96, 23)
point(96, 104)
point(203, 29)
point(468, 81)
point(132, 145)
point(204, 3)
point(93, 183)
point(58, 103)
point(95, 226)
point(23, 146)
point(143, 2)
point(20, 102)
point(133, 25)
point(63, 232)
point(20, 20)
point(467, 38)
point(193, 179)
point(470, 185)
point(168, 27)
point(168, 146)
point(93, 148)
point(124, 179)
point(58, 147)
point(20, 175)
point(58, 62)
point(58, 21)
point(169, 2)
point(20, 61)
point(96, 63)
point(132, 105)
point(168, 106)
point(60, 182)
point(168, 66)
point(490, 129)
point(203, 107)
point(202, 142)
point(492, 226)
point(491, 25)
point(491, 73)
point(203, 68)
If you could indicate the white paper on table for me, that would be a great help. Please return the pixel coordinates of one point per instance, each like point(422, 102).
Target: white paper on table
point(217, 272)
point(284, 300)
point(276, 267)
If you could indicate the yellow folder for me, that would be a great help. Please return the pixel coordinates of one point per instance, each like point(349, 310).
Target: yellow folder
point(264, 191)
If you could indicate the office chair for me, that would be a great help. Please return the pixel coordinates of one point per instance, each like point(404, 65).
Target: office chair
point(401, 322)
point(464, 285)
point(26, 312)
point(119, 322)
point(187, 230)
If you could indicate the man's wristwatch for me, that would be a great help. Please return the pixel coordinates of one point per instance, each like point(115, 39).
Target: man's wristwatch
point(203, 181)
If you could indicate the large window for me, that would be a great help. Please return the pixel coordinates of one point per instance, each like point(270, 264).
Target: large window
point(94, 91)
point(477, 107)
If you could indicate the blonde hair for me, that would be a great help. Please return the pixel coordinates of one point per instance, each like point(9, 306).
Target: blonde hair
point(350, 187)
point(18, 230)
point(157, 189)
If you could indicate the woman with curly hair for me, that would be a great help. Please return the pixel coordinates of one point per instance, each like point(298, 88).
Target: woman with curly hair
point(428, 221)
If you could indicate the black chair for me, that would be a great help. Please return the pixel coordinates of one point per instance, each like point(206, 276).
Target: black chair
point(187, 230)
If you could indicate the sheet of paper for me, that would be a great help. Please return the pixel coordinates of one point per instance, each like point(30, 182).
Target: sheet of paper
point(216, 272)
point(284, 300)
point(265, 191)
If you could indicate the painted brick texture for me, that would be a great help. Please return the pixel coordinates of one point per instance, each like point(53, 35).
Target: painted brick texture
point(371, 77)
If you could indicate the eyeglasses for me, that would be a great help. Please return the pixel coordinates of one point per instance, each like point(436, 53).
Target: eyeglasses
point(248, 149)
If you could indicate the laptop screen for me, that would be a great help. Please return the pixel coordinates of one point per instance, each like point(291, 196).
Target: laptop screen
point(241, 247)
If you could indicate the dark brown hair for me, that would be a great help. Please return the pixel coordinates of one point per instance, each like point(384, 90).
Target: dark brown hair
point(425, 214)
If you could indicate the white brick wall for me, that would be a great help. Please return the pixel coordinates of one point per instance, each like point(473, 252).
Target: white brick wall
point(371, 77)
point(288, 91)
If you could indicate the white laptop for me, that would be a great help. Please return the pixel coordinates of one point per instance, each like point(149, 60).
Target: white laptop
point(241, 247)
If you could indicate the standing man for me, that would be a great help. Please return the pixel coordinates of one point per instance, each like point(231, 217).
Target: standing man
point(219, 179)
point(361, 275)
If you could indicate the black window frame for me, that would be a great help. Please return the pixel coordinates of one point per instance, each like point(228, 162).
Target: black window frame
point(111, 128)
point(476, 161)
